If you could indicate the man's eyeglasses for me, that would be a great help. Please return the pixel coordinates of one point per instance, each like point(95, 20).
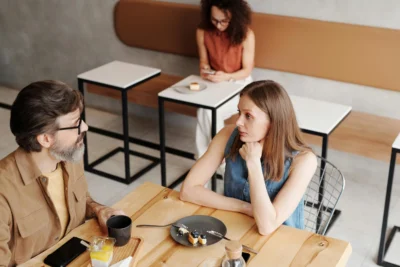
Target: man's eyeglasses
point(73, 127)
point(223, 22)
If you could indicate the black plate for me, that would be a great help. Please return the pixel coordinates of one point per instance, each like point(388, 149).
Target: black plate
point(201, 224)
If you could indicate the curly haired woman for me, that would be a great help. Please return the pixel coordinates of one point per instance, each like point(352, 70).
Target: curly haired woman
point(226, 47)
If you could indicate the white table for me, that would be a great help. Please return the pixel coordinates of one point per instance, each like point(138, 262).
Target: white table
point(384, 246)
point(318, 117)
point(119, 76)
point(213, 97)
point(396, 143)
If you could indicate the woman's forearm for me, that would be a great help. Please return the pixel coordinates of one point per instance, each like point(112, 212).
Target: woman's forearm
point(205, 197)
point(204, 65)
point(263, 209)
point(240, 74)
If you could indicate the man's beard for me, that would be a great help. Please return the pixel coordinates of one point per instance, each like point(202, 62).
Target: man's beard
point(73, 153)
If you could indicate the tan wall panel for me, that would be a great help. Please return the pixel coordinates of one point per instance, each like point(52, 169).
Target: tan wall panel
point(160, 26)
point(350, 53)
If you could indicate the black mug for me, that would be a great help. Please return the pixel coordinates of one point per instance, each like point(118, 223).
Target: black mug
point(119, 227)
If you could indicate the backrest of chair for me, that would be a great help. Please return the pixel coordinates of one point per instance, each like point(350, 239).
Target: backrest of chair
point(322, 196)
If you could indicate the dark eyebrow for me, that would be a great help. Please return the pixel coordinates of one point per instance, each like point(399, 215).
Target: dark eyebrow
point(246, 110)
point(224, 19)
point(79, 117)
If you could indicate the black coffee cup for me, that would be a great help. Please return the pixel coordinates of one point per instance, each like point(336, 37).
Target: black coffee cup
point(119, 227)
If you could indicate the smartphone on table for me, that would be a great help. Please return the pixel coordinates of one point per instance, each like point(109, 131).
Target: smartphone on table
point(66, 253)
point(210, 72)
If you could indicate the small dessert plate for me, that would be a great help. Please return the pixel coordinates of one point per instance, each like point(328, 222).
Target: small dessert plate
point(200, 224)
point(186, 90)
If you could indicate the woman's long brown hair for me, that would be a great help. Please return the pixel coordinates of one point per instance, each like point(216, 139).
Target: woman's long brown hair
point(283, 136)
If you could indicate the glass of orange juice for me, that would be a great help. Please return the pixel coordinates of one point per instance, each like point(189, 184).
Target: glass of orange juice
point(101, 251)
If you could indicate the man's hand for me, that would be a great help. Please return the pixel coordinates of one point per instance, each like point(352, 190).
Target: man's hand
point(103, 213)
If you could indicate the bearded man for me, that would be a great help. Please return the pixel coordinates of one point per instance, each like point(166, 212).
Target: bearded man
point(43, 190)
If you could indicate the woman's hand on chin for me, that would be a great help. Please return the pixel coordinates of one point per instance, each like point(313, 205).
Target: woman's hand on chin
point(251, 151)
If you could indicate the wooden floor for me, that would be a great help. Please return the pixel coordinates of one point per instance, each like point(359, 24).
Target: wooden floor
point(363, 134)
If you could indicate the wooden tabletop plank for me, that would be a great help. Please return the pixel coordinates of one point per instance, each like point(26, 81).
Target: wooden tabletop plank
point(136, 201)
point(292, 247)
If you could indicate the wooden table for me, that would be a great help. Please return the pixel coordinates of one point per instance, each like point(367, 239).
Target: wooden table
point(153, 204)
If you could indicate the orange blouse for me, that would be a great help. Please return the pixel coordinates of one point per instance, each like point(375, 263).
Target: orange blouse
point(222, 56)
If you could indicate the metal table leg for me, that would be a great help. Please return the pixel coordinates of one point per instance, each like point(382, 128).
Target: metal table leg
point(382, 246)
point(321, 175)
point(125, 126)
point(81, 87)
point(213, 133)
point(162, 141)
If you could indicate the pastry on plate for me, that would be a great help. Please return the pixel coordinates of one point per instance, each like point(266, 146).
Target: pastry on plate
point(182, 231)
point(203, 239)
point(193, 237)
point(194, 86)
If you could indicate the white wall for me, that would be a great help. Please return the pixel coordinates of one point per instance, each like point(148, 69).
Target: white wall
point(377, 13)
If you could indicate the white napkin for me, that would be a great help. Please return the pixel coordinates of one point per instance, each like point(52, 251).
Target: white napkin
point(124, 263)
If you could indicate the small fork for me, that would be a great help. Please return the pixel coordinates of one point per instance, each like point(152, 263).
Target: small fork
point(224, 237)
point(174, 224)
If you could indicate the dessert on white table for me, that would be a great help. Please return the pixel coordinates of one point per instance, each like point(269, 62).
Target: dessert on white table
point(194, 86)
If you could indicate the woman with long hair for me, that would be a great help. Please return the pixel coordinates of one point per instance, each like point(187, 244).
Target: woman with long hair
point(268, 165)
